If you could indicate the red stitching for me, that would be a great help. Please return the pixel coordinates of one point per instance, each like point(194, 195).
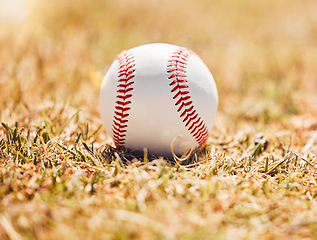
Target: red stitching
point(177, 69)
point(124, 88)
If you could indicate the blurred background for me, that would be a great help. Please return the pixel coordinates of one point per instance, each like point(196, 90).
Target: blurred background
point(263, 54)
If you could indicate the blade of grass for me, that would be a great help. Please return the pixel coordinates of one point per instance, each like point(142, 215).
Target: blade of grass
point(68, 122)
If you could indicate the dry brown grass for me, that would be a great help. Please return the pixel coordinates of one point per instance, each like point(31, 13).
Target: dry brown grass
point(56, 180)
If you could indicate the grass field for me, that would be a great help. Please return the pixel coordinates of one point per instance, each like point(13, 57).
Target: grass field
point(256, 177)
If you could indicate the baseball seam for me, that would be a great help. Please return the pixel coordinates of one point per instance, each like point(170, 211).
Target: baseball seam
point(123, 99)
point(176, 68)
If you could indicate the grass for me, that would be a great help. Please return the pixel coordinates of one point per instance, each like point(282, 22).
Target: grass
point(256, 177)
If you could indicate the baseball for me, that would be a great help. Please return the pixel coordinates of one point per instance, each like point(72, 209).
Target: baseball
point(156, 94)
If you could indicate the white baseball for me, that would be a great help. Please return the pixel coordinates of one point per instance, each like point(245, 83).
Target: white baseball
point(154, 93)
